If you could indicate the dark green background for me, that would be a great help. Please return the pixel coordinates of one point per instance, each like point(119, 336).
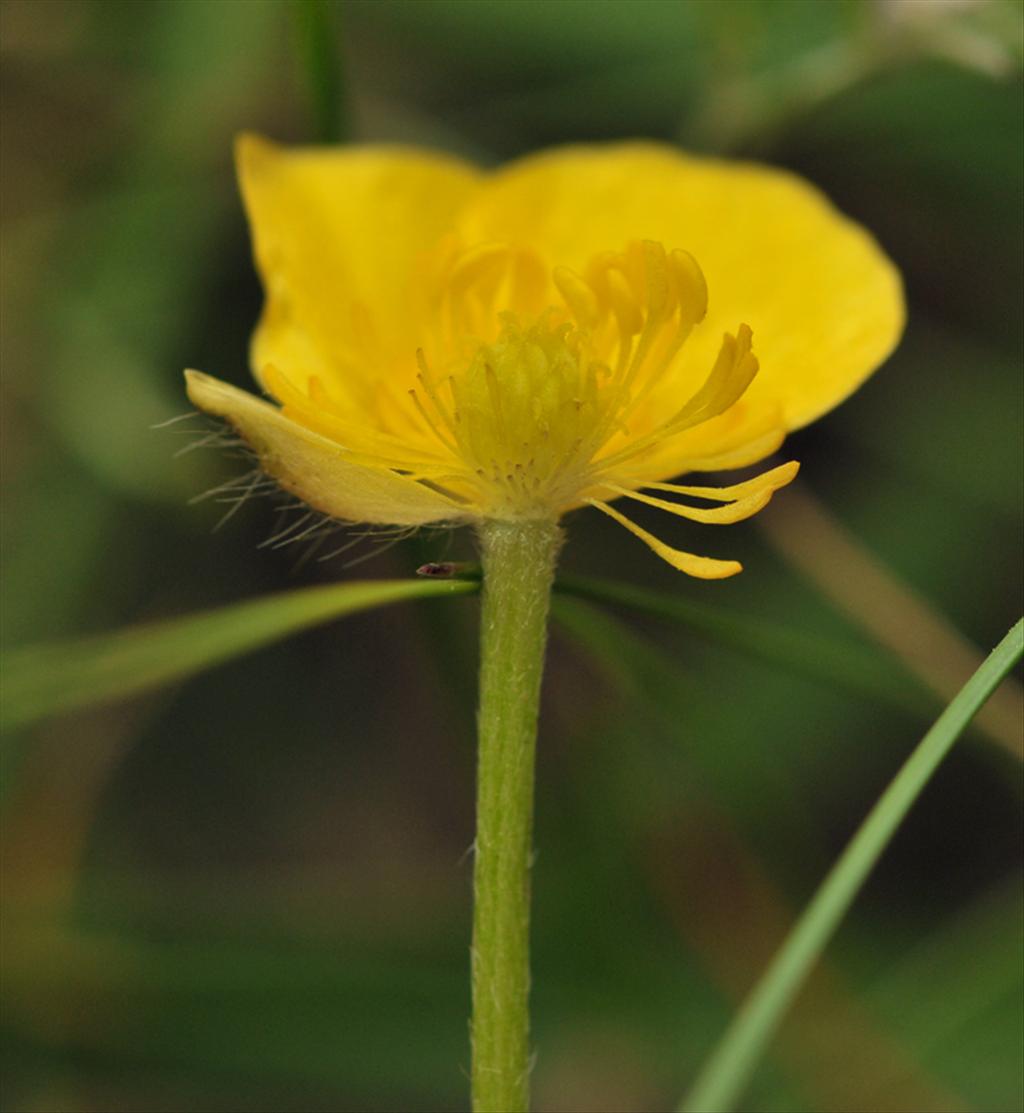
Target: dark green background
point(252, 892)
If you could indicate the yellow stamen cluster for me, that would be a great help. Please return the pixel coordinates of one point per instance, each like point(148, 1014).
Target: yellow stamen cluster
point(521, 409)
point(523, 417)
point(547, 410)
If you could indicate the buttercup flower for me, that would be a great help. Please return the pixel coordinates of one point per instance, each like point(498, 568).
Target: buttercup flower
point(579, 328)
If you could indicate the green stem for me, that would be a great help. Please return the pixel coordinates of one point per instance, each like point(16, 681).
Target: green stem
point(317, 32)
point(518, 562)
point(727, 1071)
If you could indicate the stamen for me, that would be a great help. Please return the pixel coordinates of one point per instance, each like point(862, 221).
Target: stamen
point(495, 392)
point(774, 479)
point(732, 373)
point(430, 422)
point(623, 304)
point(725, 515)
point(578, 295)
point(359, 443)
point(703, 568)
point(689, 284)
point(427, 380)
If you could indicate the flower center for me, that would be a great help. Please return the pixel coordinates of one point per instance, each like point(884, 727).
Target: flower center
point(535, 415)
point(525, 413)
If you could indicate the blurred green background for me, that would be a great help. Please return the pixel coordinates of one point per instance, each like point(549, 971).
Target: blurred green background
point(252, 891)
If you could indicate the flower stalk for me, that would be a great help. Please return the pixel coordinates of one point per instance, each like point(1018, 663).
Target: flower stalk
point(518, 565)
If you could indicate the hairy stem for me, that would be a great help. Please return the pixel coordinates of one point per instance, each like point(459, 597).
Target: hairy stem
point(518, 563)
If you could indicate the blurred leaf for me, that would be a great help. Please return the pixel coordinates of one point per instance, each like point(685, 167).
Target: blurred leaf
point(514, 40)
point(974, 391)
point(43, 680)
point(52, 545)
point(282, 1013)
point(135, 255)
point(940, 189)
point(958, 997)
point(516, 74)
point(730, 1066)
point(772, 64)
point(652, 781)
point(377, 1025)
point(851, 665)
point(701, 736)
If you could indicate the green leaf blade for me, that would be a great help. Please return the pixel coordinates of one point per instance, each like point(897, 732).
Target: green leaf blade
point(732, 1063)
point(39, 681)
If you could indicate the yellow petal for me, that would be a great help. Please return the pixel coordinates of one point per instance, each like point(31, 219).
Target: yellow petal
point(824, 302)
point(740, 454)
point(316, 469)
point(337, 234)
point(703, 568)
point(741, 436)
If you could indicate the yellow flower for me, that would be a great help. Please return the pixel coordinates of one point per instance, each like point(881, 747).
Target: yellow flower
point(449, 345)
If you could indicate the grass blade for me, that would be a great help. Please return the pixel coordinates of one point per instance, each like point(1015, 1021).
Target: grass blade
point(39, 681)
point(316, 28)
point(731, 1064)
